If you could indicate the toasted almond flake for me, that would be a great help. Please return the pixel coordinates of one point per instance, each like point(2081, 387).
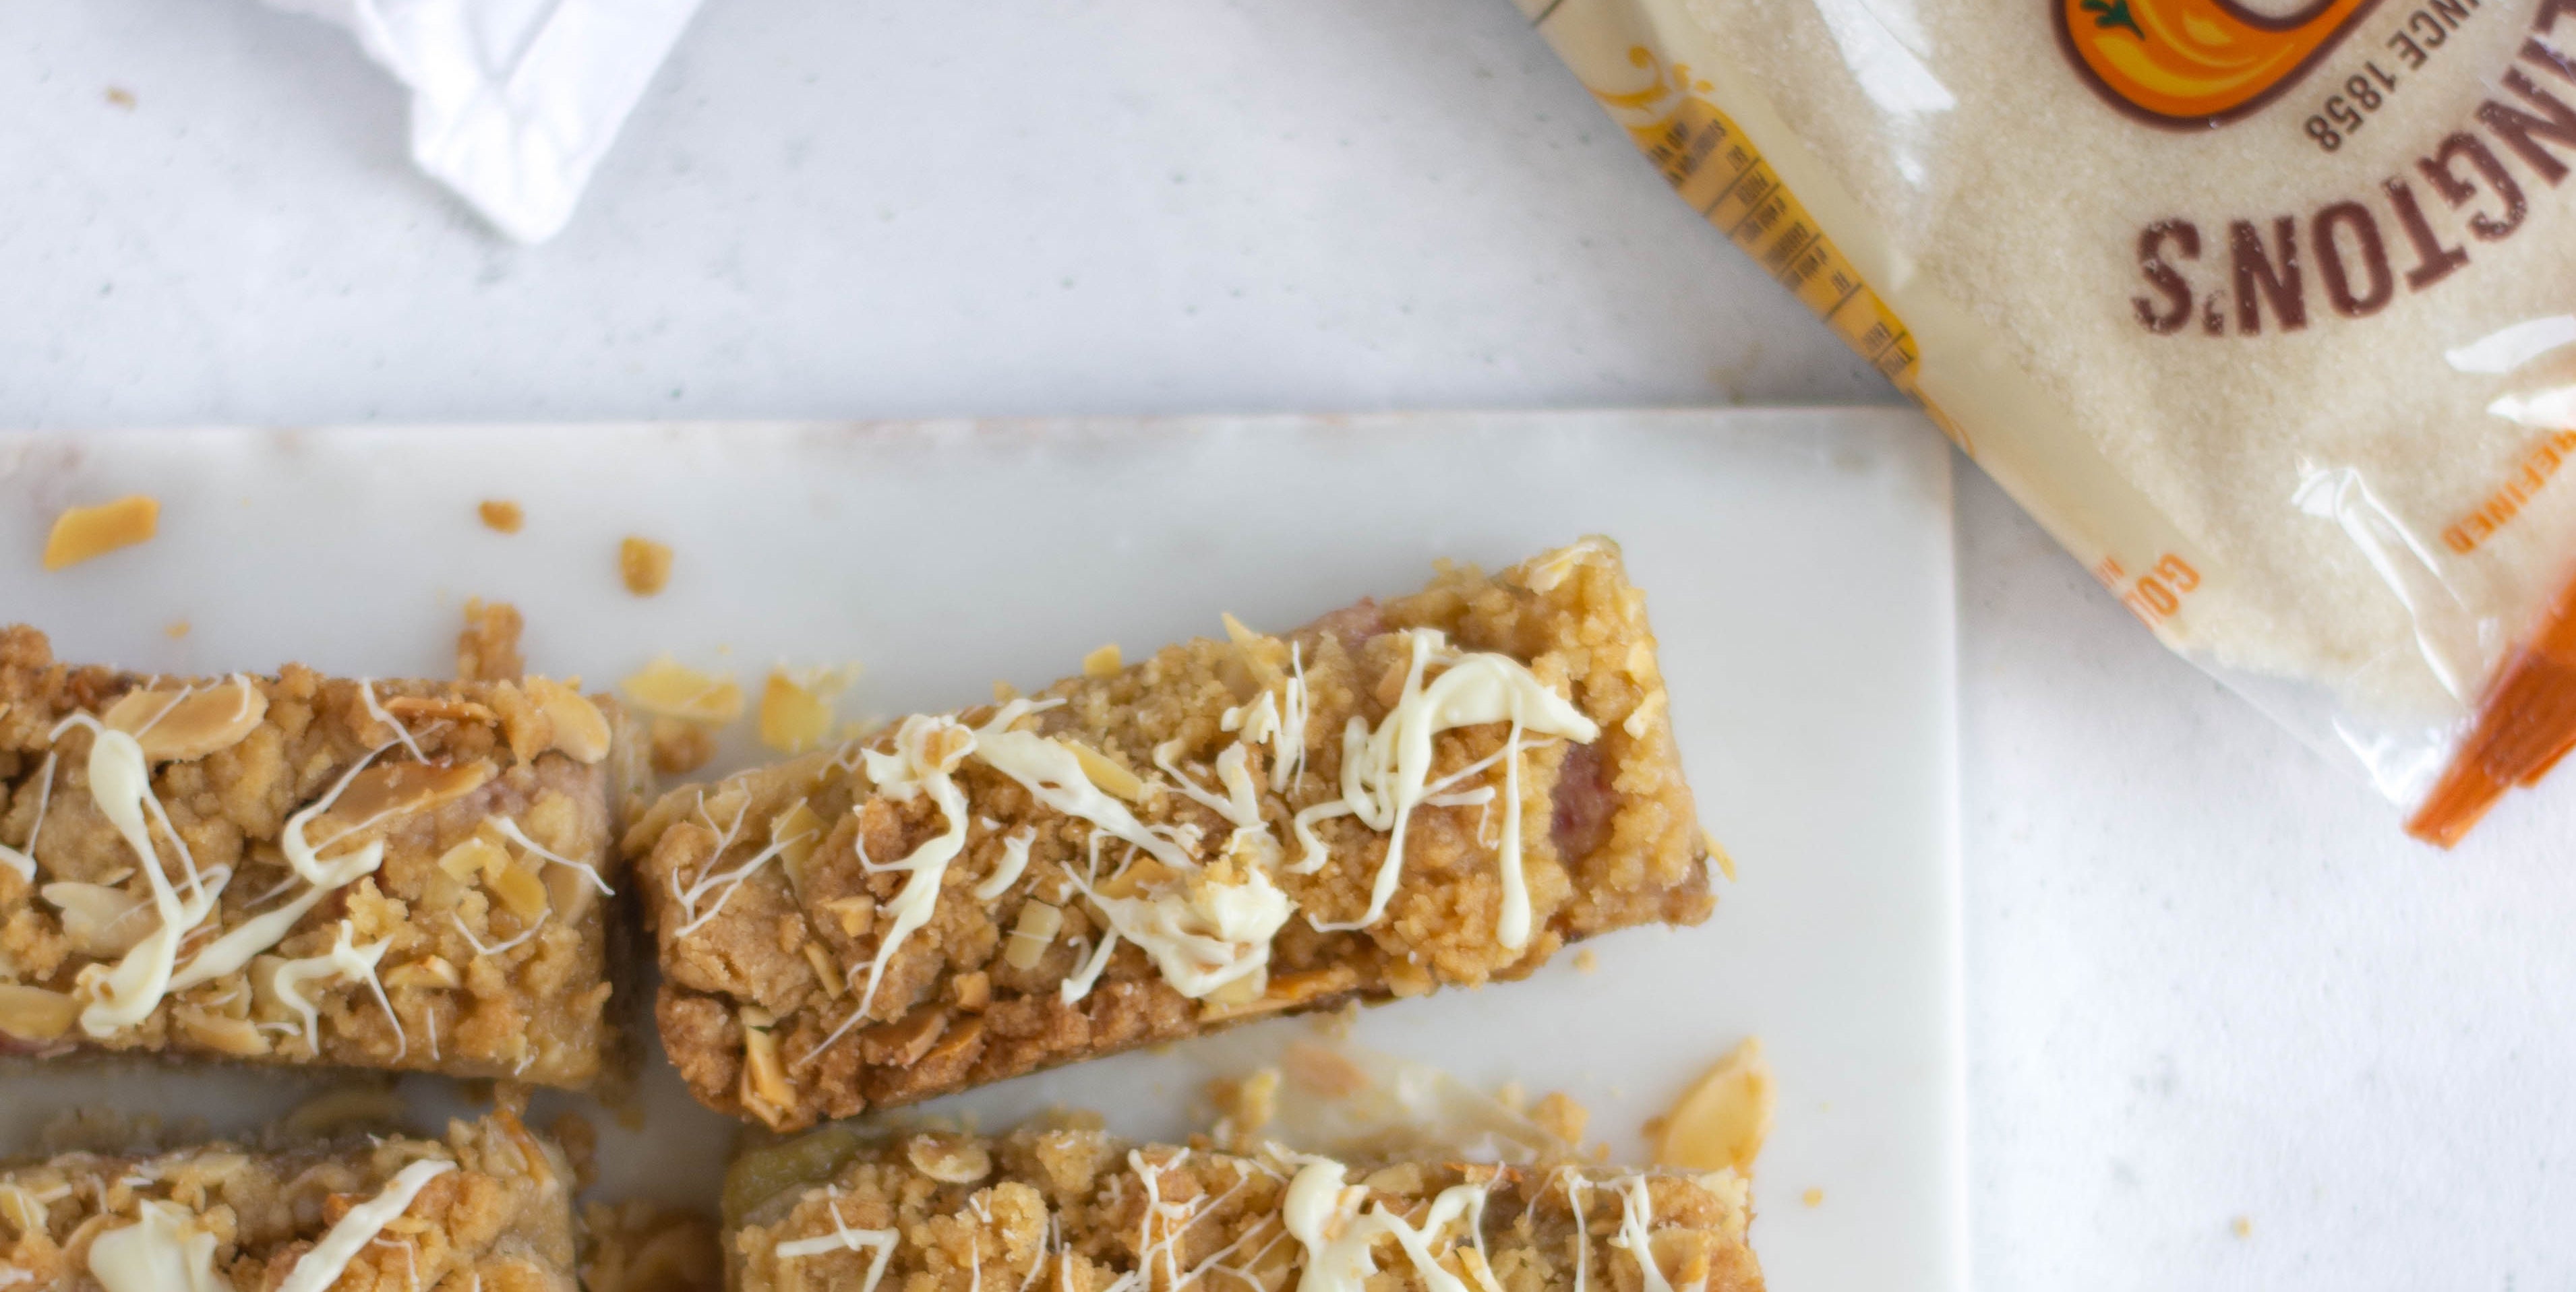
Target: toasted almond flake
point(1104, 662)
point(238, 1037)
point(949, 1159)
point(765, 1091)
point(35, 1014)
point(83, 532)
point(1585, 961)
point(973, 992)
point(1558, 1114)
point(1038, 924)
point(580, 729)
point(177, 725)
point(501, 515)
point(644, 564)
point(794, 717)
point(1108, 773)
point(425, 709)
point(824, 973)
point(389, 790)
point(674, 690)
point(487, 648)
point(1816, 1198)
point(98, 920)
point(476, 854)
point(521, 893)
point(1238, 634)
point(424, 973)
point(175, 629)
point(1718, 856)
point(796, 832)
point(1641, 719)
point(856, 915)
point(1722, 1119)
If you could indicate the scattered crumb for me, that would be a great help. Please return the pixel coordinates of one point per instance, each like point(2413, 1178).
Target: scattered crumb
point(501, 515)
point(680, 748)
point(488, 649)
point(84, 532)
point(1816, 1198)
point(796, 708)
point(177, 629)
point(1585, 961)
point(638, 1246)
point(1103, 662)
point(1246, 1106)
point(2242, 1226)
point(673, 690)
point(1722, 1119)
point(1558, 1115)
point(644, 564)
point(121, 97)
point(1336, 1025)
point(1004, 692)
point(1513, 1095)
point(1718, 856)
point(1322, 1071)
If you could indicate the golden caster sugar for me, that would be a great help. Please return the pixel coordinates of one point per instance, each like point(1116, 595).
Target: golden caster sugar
point(2266, 310)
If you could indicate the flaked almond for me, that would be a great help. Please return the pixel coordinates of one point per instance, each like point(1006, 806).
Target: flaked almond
point(949, 1159)
point(824, 970)
point(1108, 773)
point(389, 790)
point(522, 894)
point(973, 992)
point(765, 1091)
point(1038, 924)
point(856, 915)
point(81, 533)
point(1236, 632)
point(426, 973)
point(35, 1014)
point(174, 725)
point(98, 920)
point(902, 1042)
point(1722, 1119)
point(580, 729)
point(436, 708)
point(674, 690)
point(794, 716)
point(1104, 662)
point(475, 856)
point(796, 832)
point(568, 890)
point(238, 1037)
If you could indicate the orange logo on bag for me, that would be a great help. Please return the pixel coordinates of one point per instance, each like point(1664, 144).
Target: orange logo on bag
point(2184, 63)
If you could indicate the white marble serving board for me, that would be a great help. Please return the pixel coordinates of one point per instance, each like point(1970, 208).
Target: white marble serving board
point(1798, 566)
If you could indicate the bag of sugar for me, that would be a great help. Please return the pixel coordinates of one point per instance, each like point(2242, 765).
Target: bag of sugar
point(2265, 308)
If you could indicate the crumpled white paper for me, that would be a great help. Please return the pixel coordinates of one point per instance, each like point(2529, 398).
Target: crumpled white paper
point(514, 101)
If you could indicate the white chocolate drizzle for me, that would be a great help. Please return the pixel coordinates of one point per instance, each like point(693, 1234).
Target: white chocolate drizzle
point(345, 958)
point(164, 1250)
point(1385, 772)
point(1636, 1221)
point(1015, 859)
point(879, 1242)
point(121, 783)
point(322, 1266)
point(509, 829)
point(1326, 1217)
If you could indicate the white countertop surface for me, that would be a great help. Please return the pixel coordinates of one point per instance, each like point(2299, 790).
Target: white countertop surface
point(2207, 977)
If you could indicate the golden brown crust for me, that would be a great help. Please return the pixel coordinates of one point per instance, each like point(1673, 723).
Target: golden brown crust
point(780, 959)
point(1075, 1209)
point(501, 1219)
point(494, 970)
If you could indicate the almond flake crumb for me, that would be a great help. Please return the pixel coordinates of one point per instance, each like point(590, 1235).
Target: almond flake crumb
point(1718, 856)
point(1585, 961)
point(120, 97)
point(1816, 1198)
point(501, 515)
point(1723, 1118)
point(178, 628)
point(644, 564)
point(2242, 1226)
point(488, 648)
point(1560, 1116)
point(680, 748)
point(796, 708)
point(674, 690)
point(1104, 662)
point(84, 532)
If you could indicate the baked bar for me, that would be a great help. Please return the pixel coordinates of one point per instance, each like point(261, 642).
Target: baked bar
point(306, 870)
point(491, 1207)
point(1440, 790)
point(1075, 1211)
